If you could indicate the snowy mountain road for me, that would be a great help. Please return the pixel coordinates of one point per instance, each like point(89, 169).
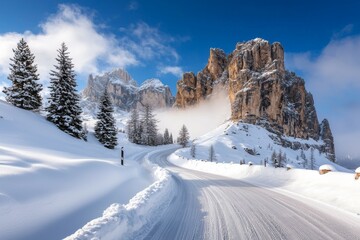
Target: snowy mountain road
point(208, 206)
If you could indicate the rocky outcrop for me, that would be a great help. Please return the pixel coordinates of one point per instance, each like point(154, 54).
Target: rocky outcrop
point(121, 87)
point(327, 137)
point(124, 92)
point(260, 90)
point(191, 89)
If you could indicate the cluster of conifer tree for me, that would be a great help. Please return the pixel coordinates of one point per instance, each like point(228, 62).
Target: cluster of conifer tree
point(142, 129)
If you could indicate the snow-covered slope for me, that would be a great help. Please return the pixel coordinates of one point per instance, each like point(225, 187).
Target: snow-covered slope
point(235, 142)
point(52, 183)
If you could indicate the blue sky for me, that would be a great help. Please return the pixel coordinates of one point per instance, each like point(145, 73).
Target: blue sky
point(164, 38)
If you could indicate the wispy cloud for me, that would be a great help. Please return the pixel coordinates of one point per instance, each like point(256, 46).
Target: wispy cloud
point(344, 31)
point(336, 67)
point(174, 70)
point(133, 5)
point(149, 42)
point(90, 48)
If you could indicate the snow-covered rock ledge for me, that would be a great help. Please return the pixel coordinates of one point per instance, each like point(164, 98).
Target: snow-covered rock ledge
point(337, 189)
point(127, 221)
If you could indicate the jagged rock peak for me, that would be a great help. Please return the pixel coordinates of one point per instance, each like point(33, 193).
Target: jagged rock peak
point(119, 76)
point(258, 54)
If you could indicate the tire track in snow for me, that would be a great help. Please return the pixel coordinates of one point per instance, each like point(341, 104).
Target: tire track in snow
point(208, 206)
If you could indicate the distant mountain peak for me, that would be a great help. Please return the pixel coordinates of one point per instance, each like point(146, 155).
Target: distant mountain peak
point(154, 83)
point(125, 92)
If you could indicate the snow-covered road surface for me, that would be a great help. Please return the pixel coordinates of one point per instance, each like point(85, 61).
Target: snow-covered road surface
point(208, 206)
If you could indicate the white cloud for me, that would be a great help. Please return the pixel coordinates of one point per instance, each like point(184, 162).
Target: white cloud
point(88, 47)
point(148, 42)
point(133, 5)
point(334, 79)
point(336, 67)
point(174, 70)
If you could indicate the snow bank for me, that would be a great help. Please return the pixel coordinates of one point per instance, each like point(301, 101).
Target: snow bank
point(338, 189)
point(127, 220)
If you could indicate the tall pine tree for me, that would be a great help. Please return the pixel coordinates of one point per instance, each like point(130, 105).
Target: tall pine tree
point(64, 109)
point(134, 127)
point(148, 127)
point(212, 156)
point(312, 159)
point(24, 91)
point(184, 136)
point(105, 128)
point(167, 137)
point(171, 139)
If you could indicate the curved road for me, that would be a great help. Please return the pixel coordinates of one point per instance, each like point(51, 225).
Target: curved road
point(208, 206)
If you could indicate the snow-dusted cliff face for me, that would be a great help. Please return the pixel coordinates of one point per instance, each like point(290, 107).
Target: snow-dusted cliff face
point(125, 93)
point(260, 90)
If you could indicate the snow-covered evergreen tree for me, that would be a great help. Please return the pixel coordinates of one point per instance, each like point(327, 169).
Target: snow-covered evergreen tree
point(171, 139)
point(304, 159)
point(167, 137)
point(64, 109)
point(212, 157)
point(312, 159)
point(193, 150)
point(24, 91)
point(85, 131)
point(148, 127)
point(105, 128)
point(160, 139)
point(274, 160)
point(134, 127)
point(281, 159)
point(184, 136)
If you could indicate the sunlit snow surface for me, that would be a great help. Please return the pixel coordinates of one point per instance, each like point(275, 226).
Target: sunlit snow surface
point(230, 140)
point(52, 184)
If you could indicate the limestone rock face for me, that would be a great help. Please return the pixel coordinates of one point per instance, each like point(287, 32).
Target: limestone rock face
point(155, 94)
point(260, 90)
point(124, 92)
point(191, 89)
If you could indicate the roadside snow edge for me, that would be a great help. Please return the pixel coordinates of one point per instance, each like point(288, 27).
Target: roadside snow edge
point(124, 221)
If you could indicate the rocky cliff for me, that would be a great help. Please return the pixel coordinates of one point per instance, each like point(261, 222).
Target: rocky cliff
point(260, 90)
point(125, 93)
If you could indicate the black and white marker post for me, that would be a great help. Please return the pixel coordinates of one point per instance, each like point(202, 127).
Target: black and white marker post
point(122, 156)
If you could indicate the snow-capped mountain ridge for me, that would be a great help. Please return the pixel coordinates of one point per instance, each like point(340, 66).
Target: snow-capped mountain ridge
point(125, 92)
